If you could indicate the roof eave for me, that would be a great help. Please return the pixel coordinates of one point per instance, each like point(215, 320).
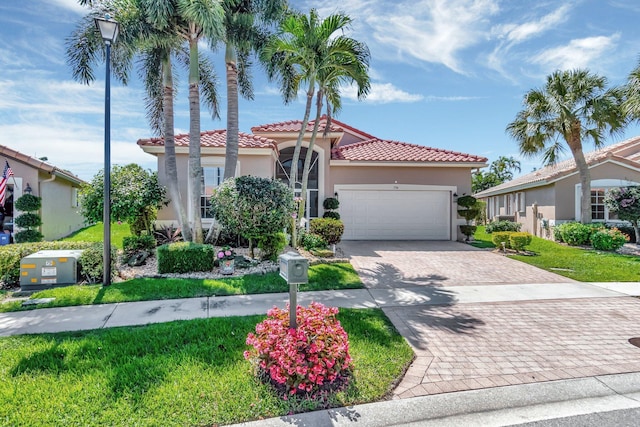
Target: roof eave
point(470, 165)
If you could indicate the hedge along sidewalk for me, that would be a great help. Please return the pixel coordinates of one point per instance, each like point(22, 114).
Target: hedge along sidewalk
point(333, 276)
point(584, 265)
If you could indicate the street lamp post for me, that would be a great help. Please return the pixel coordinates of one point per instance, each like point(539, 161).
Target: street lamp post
point(109, 31)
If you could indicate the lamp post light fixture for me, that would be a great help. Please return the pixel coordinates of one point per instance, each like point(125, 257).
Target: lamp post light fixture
point(28, 189)
point(109, 31)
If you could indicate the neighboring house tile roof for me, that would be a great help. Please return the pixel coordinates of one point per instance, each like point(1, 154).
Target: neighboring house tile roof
point(214, 138)
point(40, 165)
point(551, 173)
point(378, 150)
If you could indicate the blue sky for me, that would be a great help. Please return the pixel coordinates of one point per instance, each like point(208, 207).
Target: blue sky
point(445, 73)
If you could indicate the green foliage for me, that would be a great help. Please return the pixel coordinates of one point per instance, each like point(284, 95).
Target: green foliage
point(322, 253)
point(137, 243)
point(28, 203)
point(331, 230)
point(625, 201)
point(331, 214)
point(272, 245)
point(253, 206)
point(500, 237)
point(518, 240)
point(135, 196)
point(468, 230)
point(312, 241)
point(608, 239)
point(500, 170)
point(28, 220)
point(185, 257)
point(92, 261)
point(503, 226)
point(26, 236)
point(10, 256)
point(331, 203)
point(574, 233)
point(471, 209)
point(466, 201)
point(167, 234)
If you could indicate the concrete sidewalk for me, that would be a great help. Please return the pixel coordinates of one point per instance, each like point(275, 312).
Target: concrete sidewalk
point(98, 316)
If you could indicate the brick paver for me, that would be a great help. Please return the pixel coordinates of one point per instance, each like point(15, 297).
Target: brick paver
point(423, 263)
point(472, 346)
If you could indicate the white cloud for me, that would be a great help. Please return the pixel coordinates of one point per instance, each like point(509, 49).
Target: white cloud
point(433, 98)
point(382, 93)
point(517, 33)
point(579, 53)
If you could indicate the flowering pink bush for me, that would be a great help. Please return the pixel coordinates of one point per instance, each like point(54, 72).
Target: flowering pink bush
point(312, 358)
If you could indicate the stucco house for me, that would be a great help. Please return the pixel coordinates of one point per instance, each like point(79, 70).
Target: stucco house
point(57, 188)
point(387, 190)
point(551, 195)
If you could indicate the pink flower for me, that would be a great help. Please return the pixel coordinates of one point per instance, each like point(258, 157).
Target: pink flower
point(227, 253)
point(220, 254)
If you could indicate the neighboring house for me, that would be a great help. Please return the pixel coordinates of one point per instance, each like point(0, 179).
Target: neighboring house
point(57, 188)
point(551, 195)
point(387, 190)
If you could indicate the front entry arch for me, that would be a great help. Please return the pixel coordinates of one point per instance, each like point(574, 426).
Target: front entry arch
point(283, 173)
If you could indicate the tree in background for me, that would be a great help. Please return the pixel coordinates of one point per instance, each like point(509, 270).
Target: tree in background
point(572, 107)
point(500, 170)
point(136, 196)
point(625, 201)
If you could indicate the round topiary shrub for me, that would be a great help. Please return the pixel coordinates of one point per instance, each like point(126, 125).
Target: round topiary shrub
point(331, 203)
point(28, 220)
point(28, 236)
point(28, 203)
point(331, 214)
point(306, 361)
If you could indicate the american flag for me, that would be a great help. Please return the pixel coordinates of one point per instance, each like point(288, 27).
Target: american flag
point(4, 181)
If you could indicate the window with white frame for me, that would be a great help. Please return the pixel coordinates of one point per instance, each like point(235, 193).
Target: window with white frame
point(74, 197)
point(212, 177)
point(508, 204)
point(520, 202)
point(599, 210)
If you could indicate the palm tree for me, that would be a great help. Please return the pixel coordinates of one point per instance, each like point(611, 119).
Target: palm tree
point(504, 167)
point(573, 106)
point(307, 50)
point(245, 26)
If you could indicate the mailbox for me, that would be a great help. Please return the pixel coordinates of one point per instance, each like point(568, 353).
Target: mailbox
point(294, 268)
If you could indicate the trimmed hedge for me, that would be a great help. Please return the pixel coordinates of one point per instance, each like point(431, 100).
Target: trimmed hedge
point(10, 256)
point(608, 240)
point(313, 241)
point(518, 240)
point(502, 236)
point(331, 230)
point(503, 226)
point(185, 257)
point(92, 261)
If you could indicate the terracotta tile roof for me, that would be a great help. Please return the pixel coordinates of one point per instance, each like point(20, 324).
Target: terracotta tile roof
point(295, 125)
point(548, 174)
point(214, 138)
point(39, 164)
point(378, 150)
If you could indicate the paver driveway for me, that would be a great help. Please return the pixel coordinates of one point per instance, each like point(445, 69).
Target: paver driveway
point(413, 263)
point(463, 346)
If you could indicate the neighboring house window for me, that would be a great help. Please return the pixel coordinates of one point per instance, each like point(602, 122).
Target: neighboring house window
point(599, 211)
point(520, 202)
point(74, 197)
point(212, 177)
point(508, 204)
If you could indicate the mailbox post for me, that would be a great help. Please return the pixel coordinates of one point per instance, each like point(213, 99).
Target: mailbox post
point(294, 268)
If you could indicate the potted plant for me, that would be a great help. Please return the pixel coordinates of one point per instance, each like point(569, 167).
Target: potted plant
point(226, 258)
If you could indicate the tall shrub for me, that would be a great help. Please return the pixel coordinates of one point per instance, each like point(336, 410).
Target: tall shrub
point(254, 207)
point(625, 201)
point(29, 221)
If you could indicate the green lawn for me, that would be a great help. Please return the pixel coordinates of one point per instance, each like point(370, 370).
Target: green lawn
point(321, 277)
point(585, 265)
point(95, 233)
point(187, 373)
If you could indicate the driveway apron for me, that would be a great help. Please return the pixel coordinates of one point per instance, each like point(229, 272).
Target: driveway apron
point(465, 346)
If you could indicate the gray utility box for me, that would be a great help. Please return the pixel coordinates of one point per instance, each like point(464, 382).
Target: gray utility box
point(48, 269)
point(294, 268)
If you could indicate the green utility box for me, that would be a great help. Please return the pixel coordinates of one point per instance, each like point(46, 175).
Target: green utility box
point(49, 269)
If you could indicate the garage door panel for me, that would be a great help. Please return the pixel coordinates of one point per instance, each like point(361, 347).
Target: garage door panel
point(395, 214)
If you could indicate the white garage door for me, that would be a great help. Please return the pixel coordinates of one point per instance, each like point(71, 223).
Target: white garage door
point(395, 214)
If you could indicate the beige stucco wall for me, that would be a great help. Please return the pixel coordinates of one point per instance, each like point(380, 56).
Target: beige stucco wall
point(59, 217)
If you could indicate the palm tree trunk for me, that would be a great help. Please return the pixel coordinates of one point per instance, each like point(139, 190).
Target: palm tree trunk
point(231, 152)
point(195, 165)
point(293, 173)
point(575, 144)
point(171, 169)
point(307, 160)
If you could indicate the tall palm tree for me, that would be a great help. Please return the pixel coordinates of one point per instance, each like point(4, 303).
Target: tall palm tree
point(245, 27)
point(574, 105)
point(504, 167)
point(308, 50)
point(631, 105)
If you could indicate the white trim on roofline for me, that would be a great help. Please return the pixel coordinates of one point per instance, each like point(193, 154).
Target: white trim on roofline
point(213, 151)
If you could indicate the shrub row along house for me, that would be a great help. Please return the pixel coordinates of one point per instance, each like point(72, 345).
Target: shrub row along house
point(388, 190)
point(551, 195)
point(57, 188)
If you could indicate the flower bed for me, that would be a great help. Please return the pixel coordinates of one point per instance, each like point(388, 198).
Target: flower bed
point(309, 360)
